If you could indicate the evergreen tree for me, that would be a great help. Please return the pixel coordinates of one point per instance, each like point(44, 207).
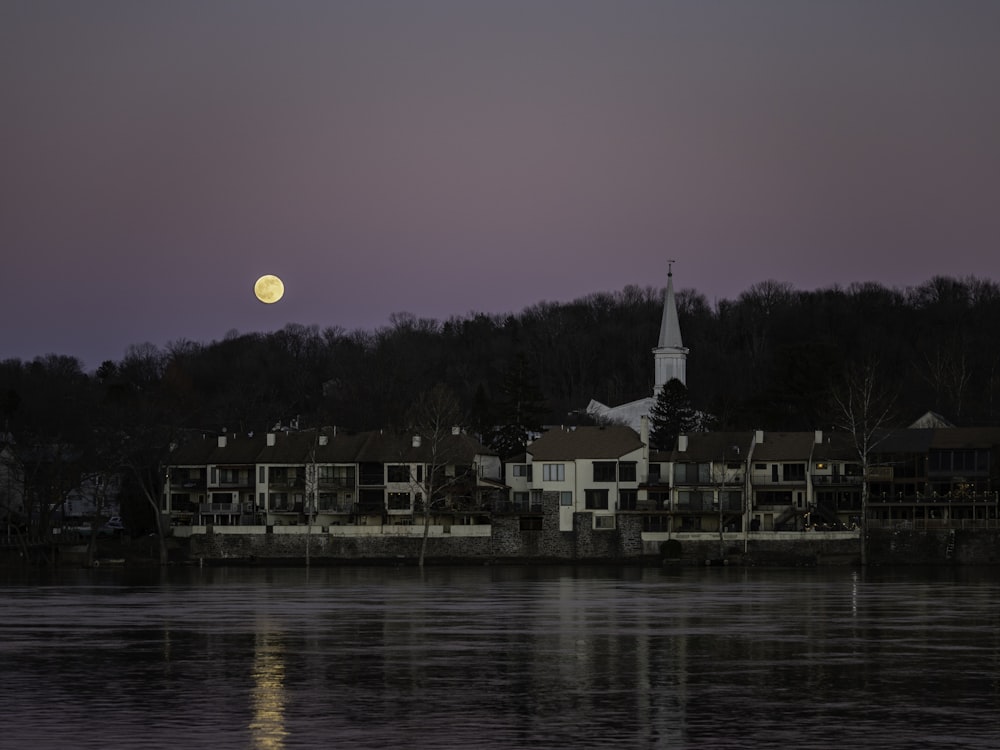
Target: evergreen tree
point(521, 408)
point(671, 415)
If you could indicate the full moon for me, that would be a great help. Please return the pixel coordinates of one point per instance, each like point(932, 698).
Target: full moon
point(269, 289)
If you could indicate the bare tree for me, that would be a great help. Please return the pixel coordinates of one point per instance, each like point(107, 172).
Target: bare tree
point(863, 407)
point(433, 420)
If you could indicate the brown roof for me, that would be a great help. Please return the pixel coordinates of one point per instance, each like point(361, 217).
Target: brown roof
point(387, 447)
point(711, 446)
point(785, 446)
point(836, 446)
point(565, 444)
point(238, 450)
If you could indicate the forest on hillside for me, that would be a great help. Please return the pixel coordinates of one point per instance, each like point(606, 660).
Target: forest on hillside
point(767, 359)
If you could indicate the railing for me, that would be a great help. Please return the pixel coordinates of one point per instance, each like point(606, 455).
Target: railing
point(837, 481)
point(932, 499)
point(335, 483)
point(930, 524)
point(286, 482)
point(220, 508)
point(286, 508)
point(517, 506)
point(345, 506)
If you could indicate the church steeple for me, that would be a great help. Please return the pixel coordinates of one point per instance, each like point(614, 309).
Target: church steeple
point(670, 355)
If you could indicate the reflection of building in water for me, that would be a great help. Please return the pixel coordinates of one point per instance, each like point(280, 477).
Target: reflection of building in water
point(267, 729)
point(624, 663)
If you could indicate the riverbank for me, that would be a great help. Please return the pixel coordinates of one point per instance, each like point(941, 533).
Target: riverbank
point(235, 546)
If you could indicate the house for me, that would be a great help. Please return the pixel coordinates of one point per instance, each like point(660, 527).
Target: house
point(594, 469)
point(928, 477)
point(708, 481)
point(320, 477)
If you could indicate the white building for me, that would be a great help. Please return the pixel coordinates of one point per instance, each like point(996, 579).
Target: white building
point(669, 362)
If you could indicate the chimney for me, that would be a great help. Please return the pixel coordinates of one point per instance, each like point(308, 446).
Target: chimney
point(758, 437)
point(324, 439)
point(819, 437)
point(270, 439)
point(682, 443)
point(222, 441)
point(456, 430)
point(416, 441)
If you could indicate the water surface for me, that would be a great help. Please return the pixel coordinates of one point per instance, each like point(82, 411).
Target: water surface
point(500, 657)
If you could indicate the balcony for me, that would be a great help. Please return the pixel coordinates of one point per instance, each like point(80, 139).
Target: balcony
point(219, 508)
point(336, 483)
point(517, 506)
point(289, 483)
point(836, 481)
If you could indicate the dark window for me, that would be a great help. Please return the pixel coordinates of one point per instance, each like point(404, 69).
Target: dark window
point(794, 472)
point(596, 499)
point(604, 471)
point(628, 499)
point(397, 473)
point(626, 471)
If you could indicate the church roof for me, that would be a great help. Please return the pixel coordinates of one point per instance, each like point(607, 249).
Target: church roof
point(670, 328)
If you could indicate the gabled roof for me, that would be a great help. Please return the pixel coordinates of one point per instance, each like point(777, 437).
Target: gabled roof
point(931, 419)
point(707, 447)
point(785, 446)
point(836, 446)
point(238, 450)
point(958, 438)
point(567, 444)
point(388, 447)
point(194, 452)
point(902, 441)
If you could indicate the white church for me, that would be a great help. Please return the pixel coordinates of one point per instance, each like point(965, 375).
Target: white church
point(669, 361)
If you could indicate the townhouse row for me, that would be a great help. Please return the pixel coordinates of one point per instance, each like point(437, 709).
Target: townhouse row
point(712, 482)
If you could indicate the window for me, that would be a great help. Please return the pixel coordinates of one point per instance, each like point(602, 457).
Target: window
point(521, 500)
point(689, 473)
point(231, 476)
point(262, 475)
point(399, 501)
point(793, 472)
point(654, 473)
point(627, 472)
point(553, 472)
point(604, 522)
point(628, 499)
point(604, 471)
point(523, 470)
point(566, 498)
point(595, 499)
point(397, 473)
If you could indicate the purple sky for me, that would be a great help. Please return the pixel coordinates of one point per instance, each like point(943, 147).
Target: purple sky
point(446, 157)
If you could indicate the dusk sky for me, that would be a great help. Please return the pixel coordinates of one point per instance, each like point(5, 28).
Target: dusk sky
point(445, 157)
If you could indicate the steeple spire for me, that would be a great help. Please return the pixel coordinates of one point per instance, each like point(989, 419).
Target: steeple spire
point(670, 328)
point(669, 356)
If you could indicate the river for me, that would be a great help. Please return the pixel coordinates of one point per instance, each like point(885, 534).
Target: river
point(499, 657)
